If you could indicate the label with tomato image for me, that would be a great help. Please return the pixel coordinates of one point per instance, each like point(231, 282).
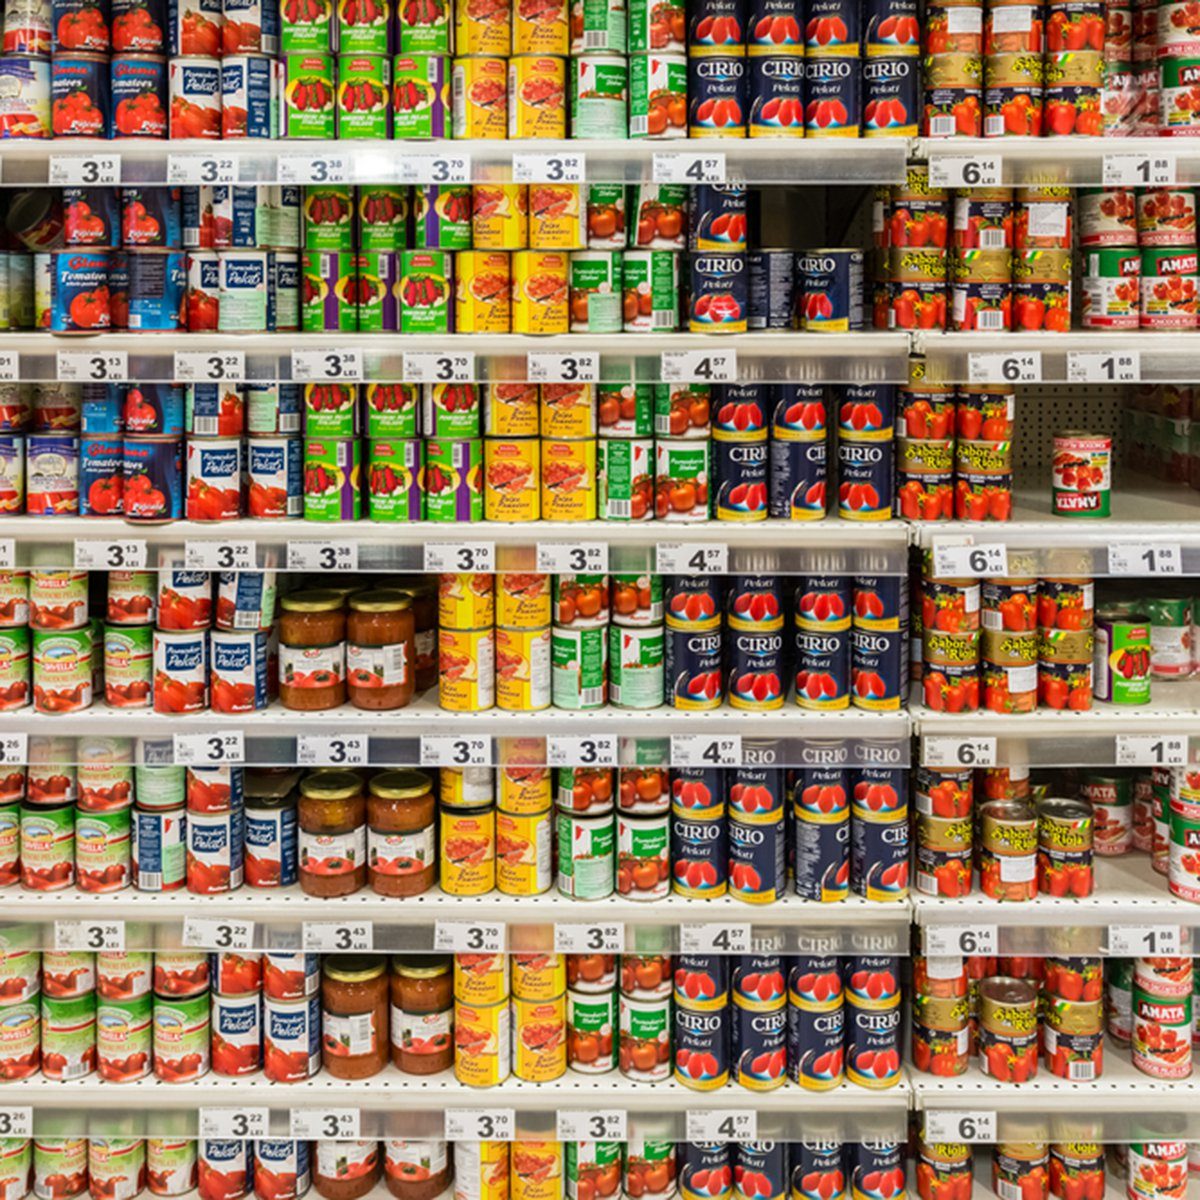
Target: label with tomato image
point(102, 850)
point(68, 1037)
point(291, 1038)
point(831, 288)
point(62, 670)
point(236, 1034)
point(275, 472)
point(239, 671)
point(483, 1043)
point(80, 93)
point(90, 216)
point(153, 479)
point(117, 1165)
point(406, 1162)
point(181, 1037)
point(138, 27)
point(195, 89)
point(310, 95)
point(248, 104)
point(512, 479)
point(79, 291)
point(215, 852)
point(139, 95)
point(20, 1042)
point(540, 1043)
point(48, 847)
point(568, 480)
point(1161, 1047)
point(591, 1028)
point(1168, 289)
point(281, 1168)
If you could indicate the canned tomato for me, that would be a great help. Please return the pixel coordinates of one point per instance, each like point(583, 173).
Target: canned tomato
point(540, 292)
point(586, 855)
point(466, 660)
point(1082, 474)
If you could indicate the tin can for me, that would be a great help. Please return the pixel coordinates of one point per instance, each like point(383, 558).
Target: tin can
point(1122, 657)
point(1082, 478)
point(586, 855)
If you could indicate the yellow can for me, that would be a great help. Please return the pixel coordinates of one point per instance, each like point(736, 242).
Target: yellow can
point(481, 978)
point(539, 976)
point(536, 1172)
point(524, 853)
point(482, 1043)
point(568, 410)
point(500, 216)
point(522, 599)
point(466, 669)
point(556, 213)
point(467, 844)
point(524, 789)
point(569, 480)
point(537, 96)
point(463, 786)
point(482, 302)
point(540, 290)
point(480, 96)
point(483, 27)
point(481, 1170)
point(540, 1049)
point(541, 28)
point(466, 600)
point(523, 669)
point(511, 479)
point(511, 410)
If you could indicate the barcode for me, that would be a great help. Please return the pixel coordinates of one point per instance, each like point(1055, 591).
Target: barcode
point(989, 321)
point(663, 320)
point(76, 1070)
point(927, 883)
point(595, 39)
point(991, 239)
point(620, 508)
point(941, 126)
point(246, 620)
point(638, 125)
point(1008, 1191)
point(148, 881)
point(289, 422)
point(993, 126)
point(362, 1031)
point(590, 696)
point(1085, 1072)
point(393, 664)
point(205, 426)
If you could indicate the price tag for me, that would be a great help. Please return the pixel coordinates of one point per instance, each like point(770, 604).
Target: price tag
point(462, 937)
point(431, 367)
point(203, 366)
point(460, 556)
point(682, 167)
point(235, 1122)
point(1089, 366)
point(208, 749)
point(976, 1125)
point(606, 938)
point(89, 935)
point(706, 750)
point(14, 749)
point(1145, 558)
point(1152, 750)
point(698, 366)
point(67, 170)
point(10, 368)
point(721, 1125)
point(322, 556)
point(128, 554)
point(83, 366)
point(961, 939)
point(582, 367)
point(943, 750)
point(445, 751)
point(218, 933)
point(239, 555)
point(689, 558)
point(1136, 941)
point(995, 367)
point(965, 172)
point(8, 553)
point(1138, 170)
point(480, 1125)
point(324, 937)
point(609, 1125)
point(950, 562)
point(334, 1124)
point(565, 558)
point(201, 168)
point(435, 168)
point(708, 937)
point(330, 363)
point(308, 168)
point(597, 750)
point(332, 749)
point(549, 168)
point(16, 1122)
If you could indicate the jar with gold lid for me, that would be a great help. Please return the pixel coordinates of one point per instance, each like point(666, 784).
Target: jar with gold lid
point(312, 650)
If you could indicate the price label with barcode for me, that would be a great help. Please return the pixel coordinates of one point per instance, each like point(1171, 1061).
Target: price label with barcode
point(209, 749)
point(945, 171)
point(235, 1122)
point(689, 558)
point(566, 558)
point(710, 937)
point(976, 1125)
point(209, 366)
point(951, 562)
point(16, 1122)
point(8, 553)
point(1151, 750)
point(580, 367)
point(460, 557)
point(1138, 170)
point(721, 1125)
point(1090, 366)
point(1137, 941)
point(233, 555)
point(91, 366)
point(127, 554)
point(332, 749)
point(961, 939)
point(1145, 558)
point(480, 1125)
point(945, 750)
point(201, 168)
point(607, 937)
point(698, 366)
point(995, 367)
point(218, 933)
point(683, 167)
point(10, 369)
point(70, 170)
point(595, 750)
point(435, 168)
point(313, 168)
point(325, 1124)
point(467, 937)
point(443, 750)
point(14, 749)
point(706, 750)
point(89, 935)
point(322, 556)
point(549, 168)
point(432, 367)
point(609, 1125)
point(338, 363)
point(327, 937)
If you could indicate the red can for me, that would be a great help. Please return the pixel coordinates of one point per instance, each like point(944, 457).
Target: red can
point(139, 96)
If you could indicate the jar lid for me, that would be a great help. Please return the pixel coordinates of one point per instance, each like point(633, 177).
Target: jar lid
point(423, 967)
point(381, 600)
point(356, 968)
point(401, 785)
point(331, 785)
point(312, 601)
point(269, 785)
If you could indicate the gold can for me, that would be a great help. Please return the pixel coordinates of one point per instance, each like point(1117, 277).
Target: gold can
point(466, 600)
point(511, 479)
point(541, 28)
point(522, 600)
point(568, 410)
point(511, 410)
point(540, 292)
point(537, 96)
point(537, 1171)
point(523, 669)
point(540, 1046)
point(525, 789)
point(482, 302)
point(556, 217)
point(467, 851)
point(500, 216)
point(481, 978)
point(466, 669)
point(482, 1043)
point(569, 480)
point(461, 787)
point(483, 28)
point(481, 1170)
point(539, 976)
point(480, 93)
point(524, 853)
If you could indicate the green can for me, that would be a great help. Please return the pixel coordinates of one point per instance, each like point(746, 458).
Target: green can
point(68, 1036)
point(305, 28)
point(124, 1038)
point(64, 1157)
point(598, 26)
point(681, 474)
point(331, 486)
point(102, 849)
point(364, 96)
point(682, 410)
point(391, 409)
point(383, 212)
point(1121, 666)
point(579, 668)
point(424, 28)
point(331, 410)
point(14, 667)
point(310, 96)
point(328, 290)
point(63, 669)
point(591, 1026)
point(1170, 636)
point(329, 218)
point(362, 27)
point(16, 1159)
point(658, 95)
point(600, 93)
point(595, 291)
point(606, 216)
point(128, 665)
point(159, 787)
point(172, 1159)
point(587, 853)
point(656, 26)
point(425, 291)
point(454, 479)
point(635, 666)
point(625, 479)
point(650, 287)
point(645, 1024)
point(10, 843)
point(374, 279)
point(442, 217)
point(421, 94)
point(625, 410)
point(181, 1037)
point(47, 847)
point(394, 480)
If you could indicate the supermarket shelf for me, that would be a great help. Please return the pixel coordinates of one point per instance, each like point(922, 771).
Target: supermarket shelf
point(811, 161)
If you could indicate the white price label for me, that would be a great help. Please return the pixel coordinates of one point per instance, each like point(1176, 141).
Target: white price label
point(549, 168)
point(597, 750)
point(91, 366)
point(609, 1125)
point(706, 750)
point(460, 557)
point(480, 1125)
point(698, 366)
point(325, 937)
point(201, 168)
point(333, 362)
point(16, 1122)
point(721, 1125)
point(208, 749)
point(442, 750)
point(332, 749)
point(951, 562)
point(218, 933)
point(1145, 558)
point(710, 937)
point(239, 555)
point(209, 366)
point(235, 1122)
point(8, 553)
point(1138, 170)
point(435, 168)
point(469, 937)
point(1151, 750)
point(965, 172)
point(325, 1124)
point(1137, 941)
point(1091, 366)
point(322, 556)
point(683, 167)
point(69, 170)
point(605, 938)
point(14, 749)
point(689, 558)
point(976, 1125)
point(127, 554)
point(582, 367)
point(89, 935)
point(944, 750)
point(432, 367)
point(10, 368)
point(310, 168)
point(940, 940)
point(564, 558)
point(994, 367)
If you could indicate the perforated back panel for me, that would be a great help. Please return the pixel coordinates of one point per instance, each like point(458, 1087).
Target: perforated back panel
point(1045, 409)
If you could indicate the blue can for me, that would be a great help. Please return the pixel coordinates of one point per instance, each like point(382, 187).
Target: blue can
point(873, 1046)
point(879, 856)
point(871, 979)
point(830, 295)
point(799, 480)
point(878, 669)
point(153, 469)
point(823, 601)
point(101, 470)
point(157, 290)
point(694, 601)
point(776, 96)
point(820, 791)
point(833, 28)
point(761, 1169)
point(81, 96)
point(772, 288)
point(821, 854)
point(91, 217)
point(146, 35)
point(291, 1034)
point(815, 982)
point(275, 469)
point(698, 791)
point(236, 211)
point(717, 216)
point(198, 219)
point(831, 95)
point(118, 288)
point(216, 845)
point(815, 1038)
point(152, 217)
point(822, 669)
point(79, 291)
point(876, 1169)
point(818, 1171)
point(159, 838)
point(757, 674)
point(878, 791)
point(740, 409)
point(740, 477)
point(719, 295)
point(759, 1047)
point(866, 489)
point(699, 854)
point(102, 409)
point(51, 473)
point(758, 979)
point(881, 601)
point(756, 794)
point(891, 91)
point(799, 412)
point(154, 408)
point(238, 670)
point(705, 1170)
point(701, 1047)
point(757, 861)
point(246, 78)
point(775, 27)
point(134, 77)
point(716, 27)
point(701, 980)
point(282, 1159)
point(693, 668)
point(754, 602)
point(717, 91)
point(72, 36)
point(867, 411)
point(891, 27)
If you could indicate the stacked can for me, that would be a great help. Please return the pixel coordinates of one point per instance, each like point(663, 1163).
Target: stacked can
point(215, 830)
point(592, 1014)
point(981, 265)
point(539, 1016)
point(755, 657)
point(466, 642)
point(821, 616)
point(64, 641)
point(683, 466)
point(236, 1013)
point(523, 649)
point(1183, 817)
point(693, 659)
point(943, 1167)
point(1014, 41)
point(757, 834)
point(1162, 1017)
point(644, 1017)
point(1065, 617)
point(866, 452)
point(918, 230)
point(482, 1019)
point(703, 1021)
point(1008, 616)
point(1124, 64)
point(879, 833)
point(819, 849)
point(181, 1017)
point(699, 833)
point(943, 831)
point(718, 268)
point(718, 85)
point(873, 1019)
point(658, 68)
point(1073, 1018)
point(1112, 264)
point(1074, 69)
point(579, 641)
point(816, 1023)
point(1042, 265)
point(924, 413)
point(1146, 117)
point(586, 832)
point(953, 70)
point(879, 642)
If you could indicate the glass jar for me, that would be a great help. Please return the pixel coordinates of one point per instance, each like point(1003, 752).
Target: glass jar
point(401, 845)
point(333, 833)
point(422, 1015)
point(380, 651)
point(424, 604)
point(354, 1016)
point(345, 1170)
point(312, 650)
